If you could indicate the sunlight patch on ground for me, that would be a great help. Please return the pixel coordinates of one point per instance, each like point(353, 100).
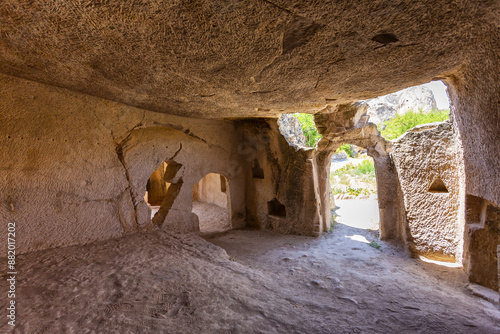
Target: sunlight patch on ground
point(358, 237)
point(441, 263)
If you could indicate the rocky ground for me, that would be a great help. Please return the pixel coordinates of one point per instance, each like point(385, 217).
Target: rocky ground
point(248, 282)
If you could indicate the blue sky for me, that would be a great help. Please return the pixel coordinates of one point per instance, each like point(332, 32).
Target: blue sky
point(439, 90)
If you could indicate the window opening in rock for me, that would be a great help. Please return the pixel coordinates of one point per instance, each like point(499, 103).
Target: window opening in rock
point(354, 189)
point(157, 188)
point(211, 203)
point(437, 186)
point(257, 171)
point(299, 130)
point(276, 209)
point(162, 189)
point(396, 113)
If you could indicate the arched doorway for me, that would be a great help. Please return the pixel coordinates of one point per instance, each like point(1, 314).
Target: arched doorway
point(354, 187)
point(211, 203)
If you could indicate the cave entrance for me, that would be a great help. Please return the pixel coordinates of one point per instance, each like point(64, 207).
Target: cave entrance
point(211, 203)
point(354, 187)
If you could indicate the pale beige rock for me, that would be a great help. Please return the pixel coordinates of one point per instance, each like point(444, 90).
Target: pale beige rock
point(427, 167)
point(212, 188)
point(164, 282)
point(291, 129)
point(75, 167)
point(242, 59)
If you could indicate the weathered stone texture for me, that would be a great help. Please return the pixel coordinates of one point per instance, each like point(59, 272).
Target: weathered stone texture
point(239, 58)
point(157, 187)
point(482, 238)
point(291, 129)
point(427, 167)
point(349, 124)
point(212, 188)
point(75, 167)
point(284, 196)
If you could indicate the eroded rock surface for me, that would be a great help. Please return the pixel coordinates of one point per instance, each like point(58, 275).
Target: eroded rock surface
point(240, 59)
point(75, 167)
point(427, 162)
point(291, 129)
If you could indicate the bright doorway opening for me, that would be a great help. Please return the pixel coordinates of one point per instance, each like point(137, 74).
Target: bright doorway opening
point(211, 203)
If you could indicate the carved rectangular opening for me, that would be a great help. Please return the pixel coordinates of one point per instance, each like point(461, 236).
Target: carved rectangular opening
point(223, 186)
point(275, 208)
point(257, 171)
point(474, 209)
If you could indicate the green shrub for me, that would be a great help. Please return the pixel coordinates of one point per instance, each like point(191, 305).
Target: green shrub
point(357, 191)
point(347, 168)
point(309, 128)
point(365, 167)
point(395, 127)
point(364, 173)
point(345, 148)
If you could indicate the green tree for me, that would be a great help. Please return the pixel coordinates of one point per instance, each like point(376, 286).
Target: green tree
point(398, 125)
point(309, 128)
point(345, 148)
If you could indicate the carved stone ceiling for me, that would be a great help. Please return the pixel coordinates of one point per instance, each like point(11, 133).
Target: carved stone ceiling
point(231, 59)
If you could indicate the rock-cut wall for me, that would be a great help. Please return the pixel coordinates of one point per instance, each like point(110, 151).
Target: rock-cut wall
point(428, 163)
point(74, 168)
point(282, 193)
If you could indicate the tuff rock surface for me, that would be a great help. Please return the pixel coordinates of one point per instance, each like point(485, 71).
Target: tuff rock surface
point(96, 95)
point(227, 59)
point(427, 162)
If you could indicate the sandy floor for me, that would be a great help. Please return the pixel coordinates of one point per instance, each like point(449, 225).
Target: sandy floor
point(265, 283)
point(212, 217)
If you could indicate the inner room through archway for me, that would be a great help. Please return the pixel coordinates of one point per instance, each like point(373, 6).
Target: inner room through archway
point(211, 203)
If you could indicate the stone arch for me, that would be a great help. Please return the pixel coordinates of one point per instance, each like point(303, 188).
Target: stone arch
point(144, 150)
point(212, 203)
point(349, 124)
